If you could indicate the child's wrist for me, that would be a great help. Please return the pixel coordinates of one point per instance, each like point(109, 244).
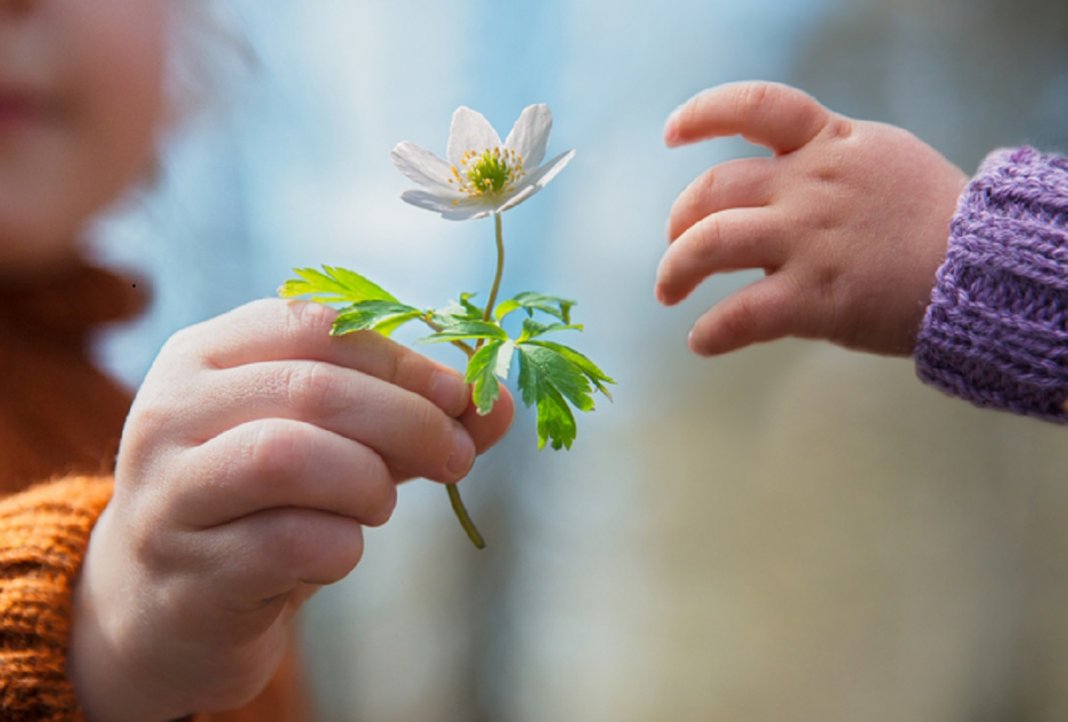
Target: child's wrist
point(108, 686)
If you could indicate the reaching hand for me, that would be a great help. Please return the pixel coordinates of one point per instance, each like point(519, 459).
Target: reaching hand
point(849, 221)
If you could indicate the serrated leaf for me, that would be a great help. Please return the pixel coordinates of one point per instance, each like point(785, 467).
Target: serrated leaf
point(461, 329)
point(482, 375)
point(530, 301)
point(596, 376)
point(333, 284)
point(556, 423)
point(533, 329)
point(382, 316)
point(547, 379)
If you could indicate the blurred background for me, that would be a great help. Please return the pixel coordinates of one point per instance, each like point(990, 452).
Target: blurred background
point(793, 532)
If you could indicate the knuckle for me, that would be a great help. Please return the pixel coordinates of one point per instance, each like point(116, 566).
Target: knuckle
point(707, 182)
point(149, 419)
point(753, 97)
point(154, 419)
point(307, 316)
point(151, 550)
point(181, 344)
point(393, 363)
point(838, 127)
point(434, 431)
point(711, 235)
point(310, 388)
point(739, 321)
point(274, 449)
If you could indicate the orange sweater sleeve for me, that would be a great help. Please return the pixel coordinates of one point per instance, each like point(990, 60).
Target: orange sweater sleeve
point(44, 532)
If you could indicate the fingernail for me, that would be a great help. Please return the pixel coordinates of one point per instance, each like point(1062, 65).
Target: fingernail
point(463, 452)
point(448, 392)
point(694, 346)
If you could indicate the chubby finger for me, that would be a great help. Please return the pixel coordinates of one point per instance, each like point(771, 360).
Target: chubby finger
point(487, 430)
point(414, 436)
point(743, 183)
point(773, 115)
point(762, 311)
point(271, 553)
point(280, 463)
point(729, 240)
point(278, 330)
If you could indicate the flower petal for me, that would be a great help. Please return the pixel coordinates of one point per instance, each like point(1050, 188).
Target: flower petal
point(467, 213)
point(537, 180)
point(530, 134)
point(454, 210)
point(423, 167)
point(429, 201)
point(516, 198)
point(470, 131)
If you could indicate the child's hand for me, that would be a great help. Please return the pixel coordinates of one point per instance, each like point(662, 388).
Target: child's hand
point(849, 221)
point(256, 450)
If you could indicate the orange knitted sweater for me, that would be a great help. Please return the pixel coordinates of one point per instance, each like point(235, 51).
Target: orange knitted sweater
point(60, 421)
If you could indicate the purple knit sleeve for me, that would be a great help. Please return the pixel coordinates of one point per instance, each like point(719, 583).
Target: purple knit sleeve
point(996, 331)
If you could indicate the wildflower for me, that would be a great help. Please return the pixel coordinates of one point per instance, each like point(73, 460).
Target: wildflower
point(482, 176)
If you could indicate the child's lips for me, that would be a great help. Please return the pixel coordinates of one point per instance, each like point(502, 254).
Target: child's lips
point(20, 108)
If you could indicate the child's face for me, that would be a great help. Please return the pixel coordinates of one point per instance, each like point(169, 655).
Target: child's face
point(80, 99)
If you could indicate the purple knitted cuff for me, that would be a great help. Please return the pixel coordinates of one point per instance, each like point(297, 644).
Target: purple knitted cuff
point(996, 332)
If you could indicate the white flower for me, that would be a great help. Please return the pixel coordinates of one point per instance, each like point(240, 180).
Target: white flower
point(482, 175)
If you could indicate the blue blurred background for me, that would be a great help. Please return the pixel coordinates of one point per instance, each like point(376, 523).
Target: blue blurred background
point(793, 532)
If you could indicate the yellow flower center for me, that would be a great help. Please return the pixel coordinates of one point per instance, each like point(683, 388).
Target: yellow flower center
point(489, 173)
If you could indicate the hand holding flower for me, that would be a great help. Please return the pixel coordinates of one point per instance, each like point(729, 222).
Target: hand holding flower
point(482, 177)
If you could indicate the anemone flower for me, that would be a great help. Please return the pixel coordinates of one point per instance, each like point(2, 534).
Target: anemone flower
point(482, 176)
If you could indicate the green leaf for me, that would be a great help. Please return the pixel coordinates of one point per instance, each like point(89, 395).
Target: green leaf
point(469, 308)
point(530, 301)
point(382, 316)
point(596, 376)
point(482, 375)
point(388, 326)
point(460, 329)
point(333, 285)
point(549, 380)
point(504, 360)
point(533, 329)
point(461, 309)
point(556, 423)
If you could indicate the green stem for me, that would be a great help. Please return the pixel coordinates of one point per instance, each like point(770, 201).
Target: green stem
point(500, 269)
point(454, 493)
point(468, 351)
point(465, 520)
